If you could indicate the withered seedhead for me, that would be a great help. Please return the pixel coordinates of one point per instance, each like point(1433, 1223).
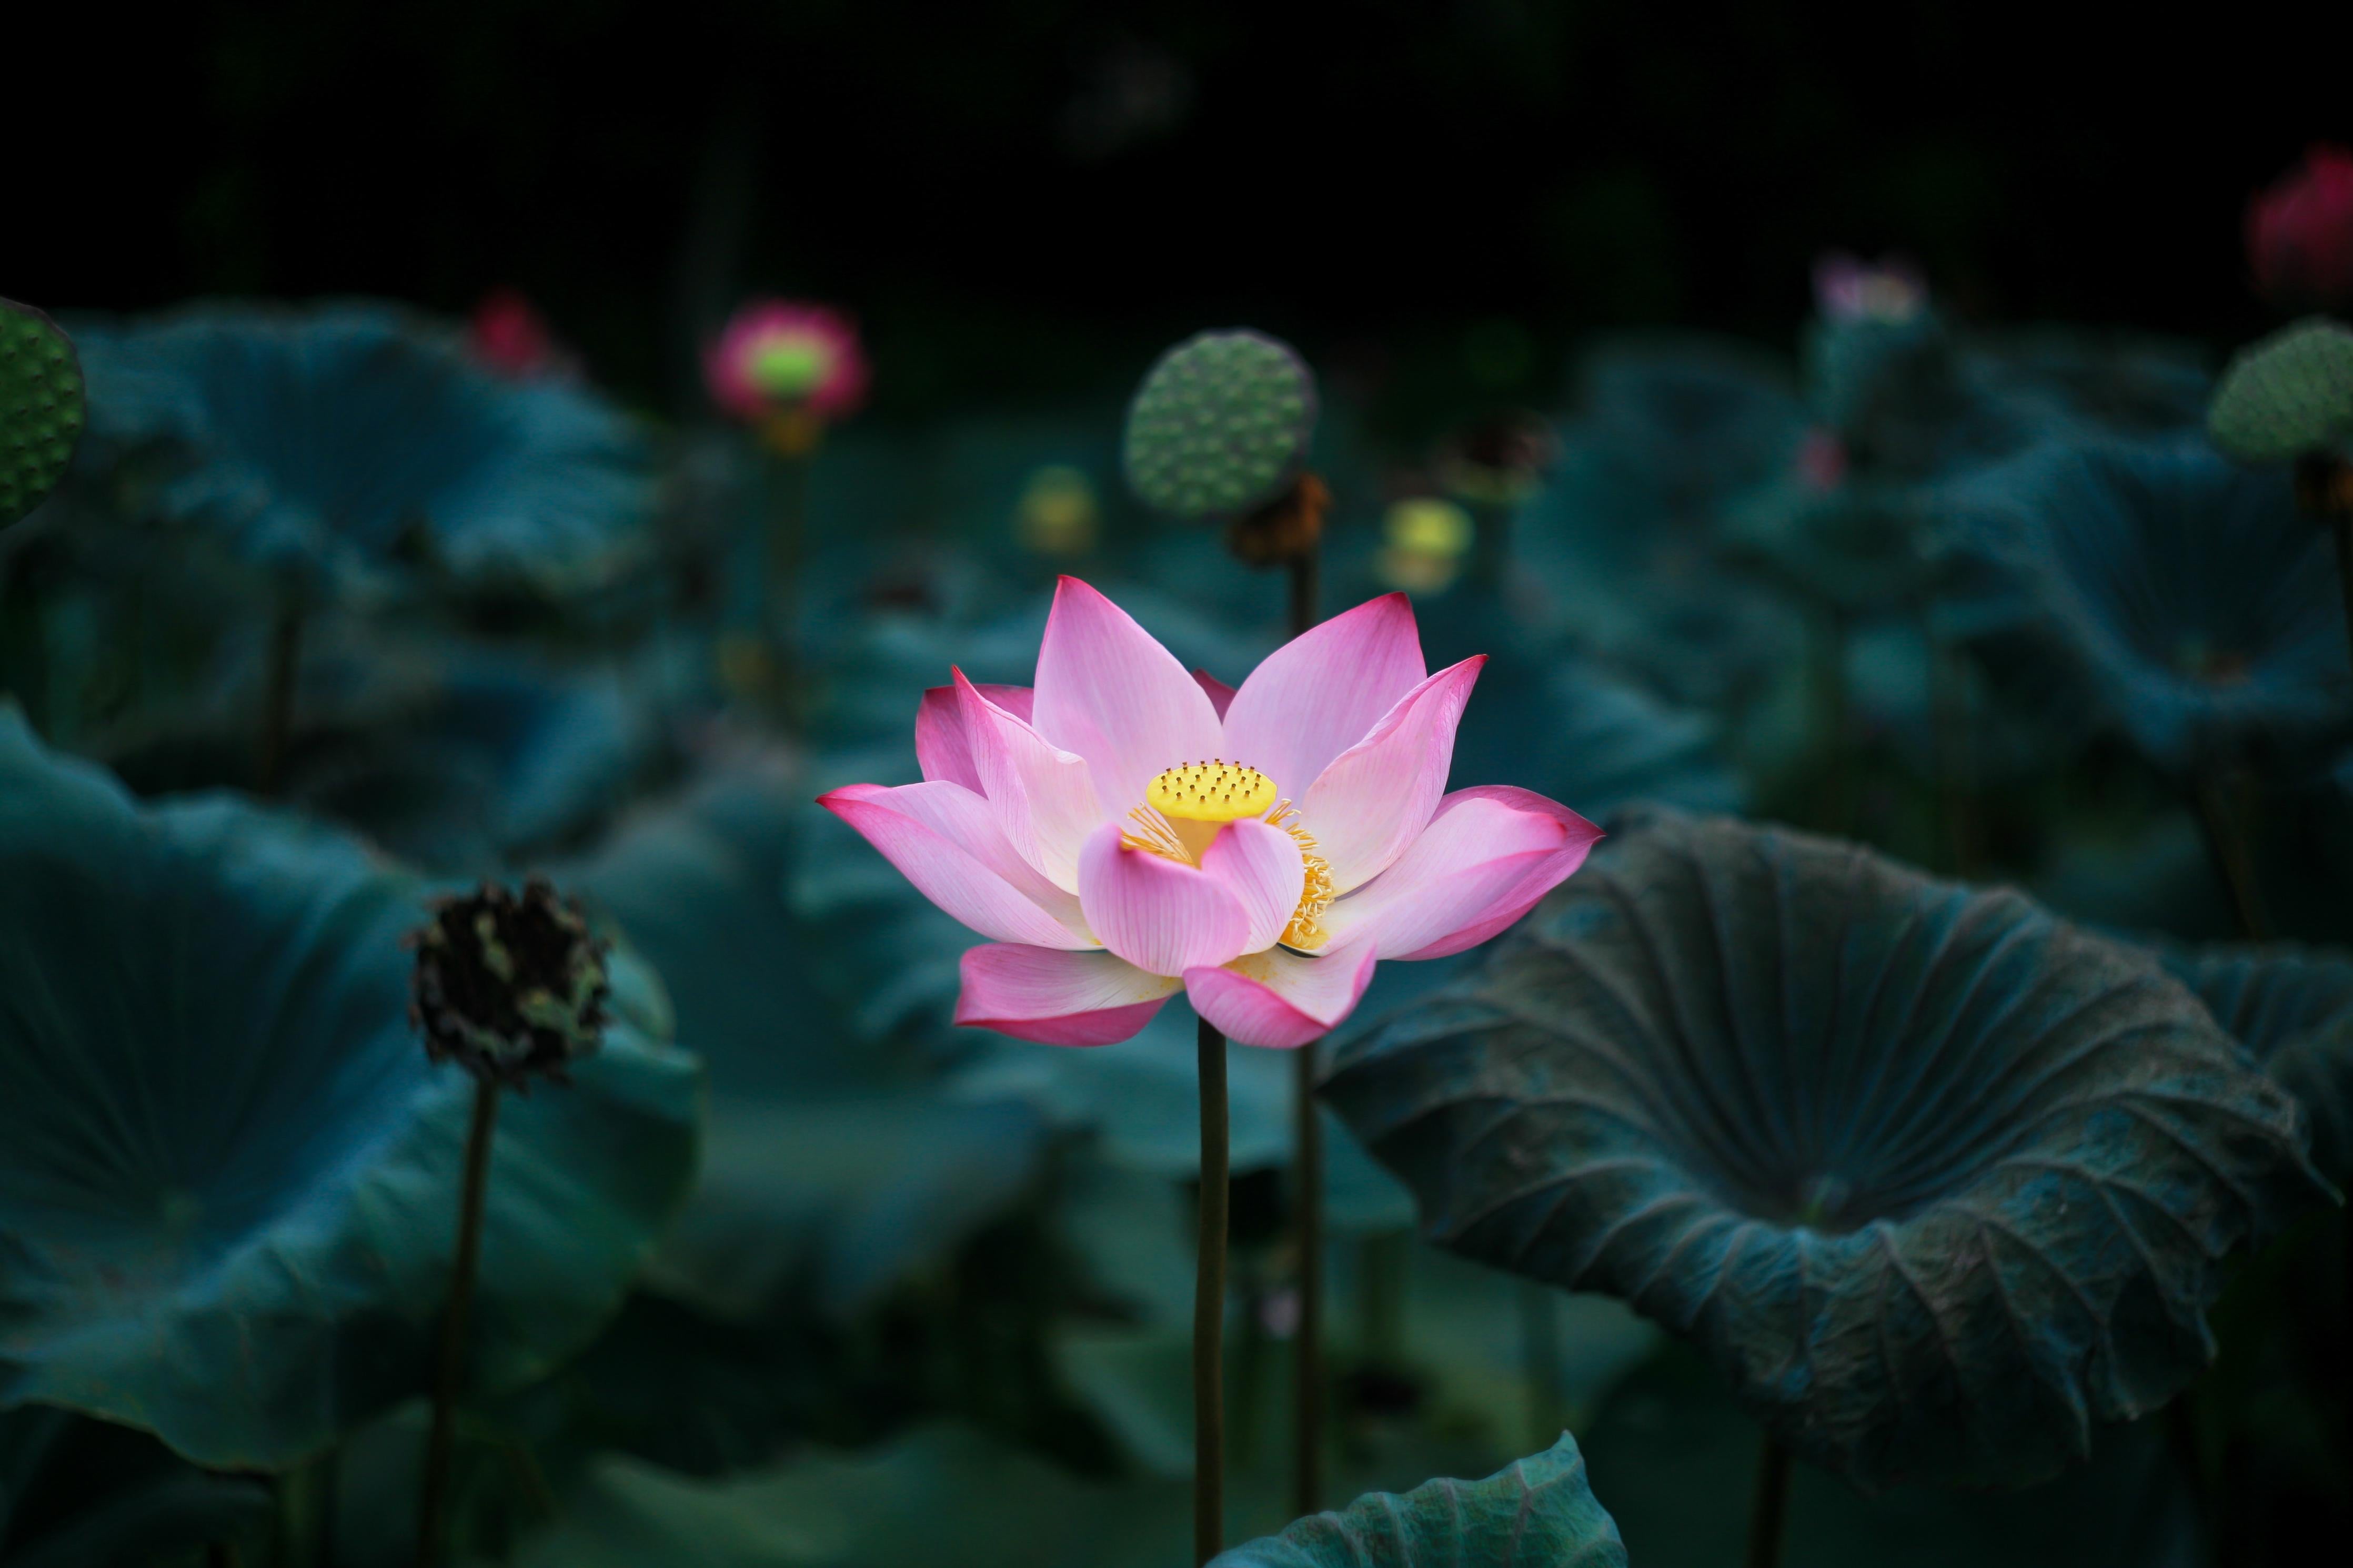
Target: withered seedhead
point(509, 987)
point(1284, 529)
point(2324, 486)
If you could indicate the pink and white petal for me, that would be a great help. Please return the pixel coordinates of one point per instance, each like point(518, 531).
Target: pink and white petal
point(1260, 865)
point(1378, 794)
point(918, 829)
point(1487, 855)
point(1057, 998)
point(1158, 914)
point(1043, 797)
point(967, 820)
point(1221, 694)
point(1111, 693)
point(942, 750)
point(1323, 691)
point(1278, 999)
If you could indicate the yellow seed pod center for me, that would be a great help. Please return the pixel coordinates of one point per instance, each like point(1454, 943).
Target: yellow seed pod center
point(1215, 791)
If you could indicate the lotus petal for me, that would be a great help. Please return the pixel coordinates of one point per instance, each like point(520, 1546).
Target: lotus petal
point(1937, 1181)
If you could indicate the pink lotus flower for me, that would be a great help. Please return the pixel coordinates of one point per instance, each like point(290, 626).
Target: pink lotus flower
point(2300, 233)
point(1123, 829)
point(780, 357)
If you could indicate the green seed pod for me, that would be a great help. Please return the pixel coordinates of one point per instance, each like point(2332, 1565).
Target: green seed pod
point(1220, 423)
point(2288, 394)
point(509, 987)
point(40, 408)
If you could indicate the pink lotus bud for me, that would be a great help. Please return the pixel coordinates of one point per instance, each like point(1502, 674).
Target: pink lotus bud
point(784, 358)
point(510, 336)
point(1846, 290)
point(2300, 233)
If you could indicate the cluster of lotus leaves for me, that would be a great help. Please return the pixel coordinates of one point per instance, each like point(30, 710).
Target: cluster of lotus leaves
point(229, 1176)
point(343, 443)
point(1937, 1181)
point(1540, 1510)
point(2177, 594)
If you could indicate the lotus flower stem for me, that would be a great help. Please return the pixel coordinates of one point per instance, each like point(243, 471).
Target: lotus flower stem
point(278, 694)
point(433, 1506)
point(781, 553)
point(1768, 1510)
point(1307, 1190)
point(2226, 844)
point(1210, 1309)
point(1307, 1366)
point(2342, 526)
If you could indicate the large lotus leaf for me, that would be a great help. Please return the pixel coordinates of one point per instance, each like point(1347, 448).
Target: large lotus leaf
point(938, 1495)
point(830, 1171)
point(2092, 382)
point(341, 440)
point(1538, 1510)
point(2293, 1009)
point(2187, 597)
point(75, 1492)
point(1564, 728)
point(1937, 1181)
point(228, 1174)
point(1682, 425)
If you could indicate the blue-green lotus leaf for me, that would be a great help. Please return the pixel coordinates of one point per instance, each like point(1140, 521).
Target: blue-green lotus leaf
point(342, 441)
point(229, 1176)
point(2292, 1008)
point(1536, 1511)
point(831, 1172)
point(75, 1492)
point(1937, 1181)
point(1677, 426)
point(2177, 594)
point(938, 1494)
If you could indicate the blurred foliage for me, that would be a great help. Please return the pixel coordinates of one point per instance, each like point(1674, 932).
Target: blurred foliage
point(923, 1293)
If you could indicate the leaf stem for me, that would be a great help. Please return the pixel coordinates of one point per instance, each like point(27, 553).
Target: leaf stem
point(1209, 1308)
point(277, 694)
point(1768, 1510)
point(433, 1505)
point(2226, 845)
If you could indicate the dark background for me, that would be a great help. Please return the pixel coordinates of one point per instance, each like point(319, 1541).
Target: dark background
point(1023, 201)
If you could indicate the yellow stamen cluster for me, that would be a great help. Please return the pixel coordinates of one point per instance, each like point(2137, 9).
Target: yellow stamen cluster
point(1215, 791)
point(1305, 931)
point(1185, 807)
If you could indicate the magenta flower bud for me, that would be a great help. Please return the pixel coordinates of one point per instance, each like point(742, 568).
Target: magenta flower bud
point(2300, 233)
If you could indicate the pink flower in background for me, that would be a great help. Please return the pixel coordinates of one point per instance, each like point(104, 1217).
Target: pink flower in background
point(508, 334)
point(2300, 233)
point(1821, 461)
point(778, 357)
point(1124, 829)
point(1890, 290)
